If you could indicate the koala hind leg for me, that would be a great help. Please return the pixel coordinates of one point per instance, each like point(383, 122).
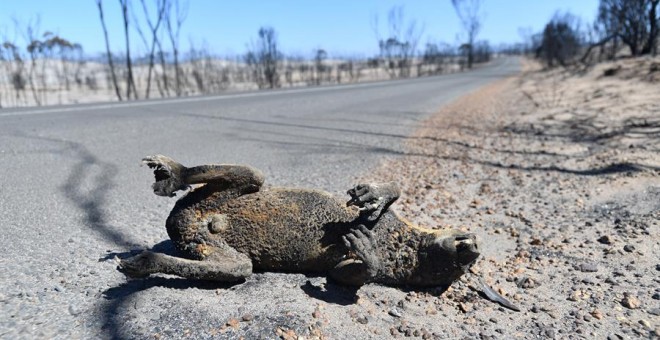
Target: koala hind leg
point(225, 265)
point(172, 176)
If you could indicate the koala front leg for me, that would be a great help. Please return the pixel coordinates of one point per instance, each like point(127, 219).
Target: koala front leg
point(373, 199)
point(364, 268)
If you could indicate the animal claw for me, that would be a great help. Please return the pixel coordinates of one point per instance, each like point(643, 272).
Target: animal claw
point(494, 296)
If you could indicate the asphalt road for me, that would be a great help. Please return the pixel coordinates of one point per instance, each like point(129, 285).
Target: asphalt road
point(73, 194)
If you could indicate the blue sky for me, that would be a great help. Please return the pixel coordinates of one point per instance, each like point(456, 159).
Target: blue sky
point(341, 27)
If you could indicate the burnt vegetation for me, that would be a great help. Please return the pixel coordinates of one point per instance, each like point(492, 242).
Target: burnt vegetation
point(40, 67)
point(622, 28)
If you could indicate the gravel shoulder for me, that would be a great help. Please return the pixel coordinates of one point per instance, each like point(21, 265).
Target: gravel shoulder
point(557, 173)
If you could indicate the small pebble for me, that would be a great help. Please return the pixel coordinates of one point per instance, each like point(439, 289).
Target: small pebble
point(597, 314)
point(74, 310)
point(629, 248)
point(588, 281)
point(630, 301)
point(232, 323)
point(363, 320)
point(605, 239)
point(588, 268)
point(576, 296)
point(550, 333)
point(527, 283)
point(394, 312)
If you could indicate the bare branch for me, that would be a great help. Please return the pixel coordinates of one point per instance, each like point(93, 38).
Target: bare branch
point(471, 18)
point(99, 4)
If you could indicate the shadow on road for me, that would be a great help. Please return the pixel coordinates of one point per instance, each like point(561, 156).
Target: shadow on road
point(117, 298)
point(576, 131)
point(331, 293)
point(87, 187)
point(308, 126)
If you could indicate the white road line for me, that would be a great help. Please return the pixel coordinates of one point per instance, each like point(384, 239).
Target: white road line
point(205, 99)
point(186, 100)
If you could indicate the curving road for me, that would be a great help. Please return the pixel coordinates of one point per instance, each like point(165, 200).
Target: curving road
point(73, 195)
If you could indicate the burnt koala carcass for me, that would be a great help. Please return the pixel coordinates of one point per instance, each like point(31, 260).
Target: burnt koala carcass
point(231, 226)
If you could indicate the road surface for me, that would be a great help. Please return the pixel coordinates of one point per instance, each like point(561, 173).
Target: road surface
point(74, 196)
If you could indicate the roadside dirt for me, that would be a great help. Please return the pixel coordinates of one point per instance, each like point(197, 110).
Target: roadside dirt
point(558, 175)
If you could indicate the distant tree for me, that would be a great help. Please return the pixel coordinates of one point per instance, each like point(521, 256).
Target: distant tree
point(99, 4)
point(305, 71)
point(154, 25)
point(175, 14)
point(512, 49)
point(561, 40)
point(130, 80)
point(264, 59)
point(398, 48)
point(435, 55)
point(14, 64)
point(635, 22)
point(471, 18)
point(165, 79)
point(63, 49)
point(606, 32)
point(352, 67)
point(288, 74)
point(206, 71)
point(482, 52)
point(530, 40)
point(291, 67)
point(78, 57)
point(319, 57)
point(35, 49)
